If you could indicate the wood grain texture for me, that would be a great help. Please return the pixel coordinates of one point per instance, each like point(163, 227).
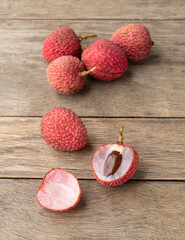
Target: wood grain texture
point(154, 87)
point(159, 142)
point(86, 9)
point(136, 210)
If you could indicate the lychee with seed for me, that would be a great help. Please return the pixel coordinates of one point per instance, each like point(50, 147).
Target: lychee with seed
point(59, 191)
point(114, 163)
point(62, 41)
point(108, 58)
point(66, 74)
point(135, 40)
point(63, 129)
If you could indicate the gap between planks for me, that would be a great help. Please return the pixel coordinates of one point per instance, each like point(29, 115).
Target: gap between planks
point(89, 179)
point(102, 117)
point(92, 19)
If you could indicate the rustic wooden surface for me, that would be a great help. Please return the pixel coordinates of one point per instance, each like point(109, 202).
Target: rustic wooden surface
point(149, 99)
point(157, 83)
point(25, 154)
point(86, 9)
point(135, 210)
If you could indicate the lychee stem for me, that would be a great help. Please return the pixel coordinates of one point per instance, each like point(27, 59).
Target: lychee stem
point(85, 73)
point(86, 36)
point(152, 43)
point(120, 139)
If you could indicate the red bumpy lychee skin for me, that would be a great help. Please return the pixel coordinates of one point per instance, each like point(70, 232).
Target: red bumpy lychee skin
point(63, 129)
point(114, 163)
point(67, 74)
point(108, 58)
point(59, 191)
point(135, 40)
point(62, 41)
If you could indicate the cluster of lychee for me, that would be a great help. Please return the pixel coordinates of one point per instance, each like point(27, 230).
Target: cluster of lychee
point(105, 60)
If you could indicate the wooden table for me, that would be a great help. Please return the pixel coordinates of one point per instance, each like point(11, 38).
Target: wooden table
point(149, 100)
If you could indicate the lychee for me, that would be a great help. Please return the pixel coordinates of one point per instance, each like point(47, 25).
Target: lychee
point(108, 58)
point(114, 163)
point(135, 40)
point(63, 129)
point(66, 74)
point(59, 190)
point(62, 41)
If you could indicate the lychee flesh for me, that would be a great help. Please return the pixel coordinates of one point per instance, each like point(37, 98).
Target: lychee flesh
point(125, 169)
point(135, 40)
point(63, 129)
point(108, 58)
point(62, 41)
point(59, 190)
point(64, 74)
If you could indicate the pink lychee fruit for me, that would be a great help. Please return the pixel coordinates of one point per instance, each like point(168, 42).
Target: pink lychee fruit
point(63, 129)
point(66, 74)
point(62, 41)
point(114, 163)
point(135, 40)
point(59, 191)
point(108, 58)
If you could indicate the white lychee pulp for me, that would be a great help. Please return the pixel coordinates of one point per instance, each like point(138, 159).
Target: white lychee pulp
point(101, 155)
point(60, 190)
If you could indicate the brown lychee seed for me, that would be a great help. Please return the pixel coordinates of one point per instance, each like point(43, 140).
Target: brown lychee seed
point(114, 163)
point(63, 41)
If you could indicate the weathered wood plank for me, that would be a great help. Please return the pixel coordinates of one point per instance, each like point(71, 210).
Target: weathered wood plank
point(136, 210)
point(154, 87)
point(159, 142)
point(86, 9)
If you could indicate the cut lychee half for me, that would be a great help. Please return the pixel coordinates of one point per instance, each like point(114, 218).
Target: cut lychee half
point(114, 163)
point(59, 190)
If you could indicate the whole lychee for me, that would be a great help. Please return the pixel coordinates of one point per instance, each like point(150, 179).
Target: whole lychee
point(63, 129)
point(114, 163)
point(62, 41)
point(108, 58)
point(135, 40)
point(66, 74)
point(59, 190)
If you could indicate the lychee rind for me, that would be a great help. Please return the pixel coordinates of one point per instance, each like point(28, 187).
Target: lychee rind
point(108, 58)
point(62, 41)
point(135, 40)
point(64, 74)
point(63, 129)
point(130, 172)
point(45, 181)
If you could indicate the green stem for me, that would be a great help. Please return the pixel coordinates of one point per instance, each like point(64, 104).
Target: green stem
point(85, 73)
point(85, 36)
point(120, 139)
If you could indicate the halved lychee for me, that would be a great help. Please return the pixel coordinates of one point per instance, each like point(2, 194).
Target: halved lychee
point(114, 163)
point(59, 190)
